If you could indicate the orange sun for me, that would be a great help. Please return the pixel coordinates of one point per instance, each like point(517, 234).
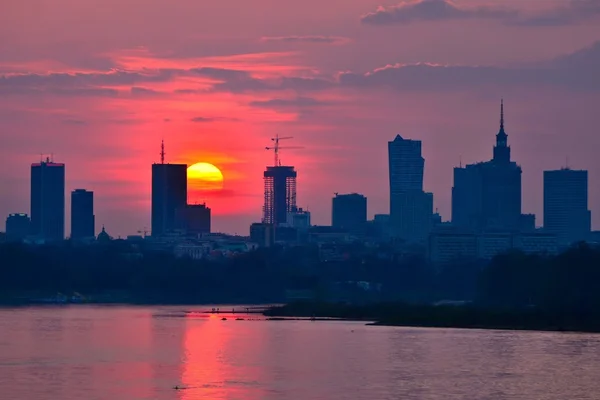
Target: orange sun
point(204, 177)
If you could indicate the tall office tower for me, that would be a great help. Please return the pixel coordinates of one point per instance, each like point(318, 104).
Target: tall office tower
point(566, 211)
point(487, 195)
point(466, 197)
point(414, 220)
point(406, 166)
point(194, 219)
point(82, 214)
point(169, 193)
point(349, 211)
point(411, 209)
point(17, 227)
point(48, 200)
point(280, 194)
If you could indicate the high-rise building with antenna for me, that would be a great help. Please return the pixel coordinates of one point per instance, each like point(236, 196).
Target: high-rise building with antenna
point(169, 194)
point(48, 200)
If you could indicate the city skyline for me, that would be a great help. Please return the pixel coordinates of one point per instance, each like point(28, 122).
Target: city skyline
point(342, 199)
point(406, 172)
point(102, 102)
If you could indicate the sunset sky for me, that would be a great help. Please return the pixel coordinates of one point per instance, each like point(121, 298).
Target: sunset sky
point(99, 83)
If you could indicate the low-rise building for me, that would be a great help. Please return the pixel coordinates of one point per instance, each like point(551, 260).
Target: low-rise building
point(263, 234)
point(446, 246)
point(17, 227)
point(493, 243)
point(536, 242)
point(452, 244)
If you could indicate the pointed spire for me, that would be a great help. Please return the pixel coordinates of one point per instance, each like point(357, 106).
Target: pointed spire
point(501, 134)
point(501, 114)
point(501, 150)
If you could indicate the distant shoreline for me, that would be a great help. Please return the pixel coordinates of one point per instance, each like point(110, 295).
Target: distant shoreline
point(384, 314)
point(430, 316)
point(484, 327)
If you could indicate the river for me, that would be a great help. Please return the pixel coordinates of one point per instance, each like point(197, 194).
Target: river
point(133, 353)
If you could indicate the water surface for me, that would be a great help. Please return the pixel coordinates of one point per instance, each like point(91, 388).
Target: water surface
point(131, 353)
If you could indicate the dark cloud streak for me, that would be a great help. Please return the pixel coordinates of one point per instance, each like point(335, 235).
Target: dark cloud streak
point(138, 91)
point(431, 10)
point(571, 13)
point(307, 39)
point(286, 103)
point(574, 12)
point(214, 119)
point(575, 71)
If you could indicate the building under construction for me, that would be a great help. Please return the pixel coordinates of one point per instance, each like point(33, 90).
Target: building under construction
point(280, 188)
point(280, 194)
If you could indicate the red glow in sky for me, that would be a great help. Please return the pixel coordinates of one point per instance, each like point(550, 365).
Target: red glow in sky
point(100, 86)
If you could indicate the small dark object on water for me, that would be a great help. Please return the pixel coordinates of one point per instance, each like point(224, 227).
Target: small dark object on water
point(223, 319)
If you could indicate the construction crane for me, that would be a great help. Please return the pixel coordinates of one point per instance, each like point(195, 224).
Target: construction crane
point(277, 147)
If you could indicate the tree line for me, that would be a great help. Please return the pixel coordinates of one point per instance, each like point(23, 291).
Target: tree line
point(567, 282)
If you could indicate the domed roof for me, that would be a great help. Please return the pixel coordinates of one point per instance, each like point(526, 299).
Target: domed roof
point(103, 236)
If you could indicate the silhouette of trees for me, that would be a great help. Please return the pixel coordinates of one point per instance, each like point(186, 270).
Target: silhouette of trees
point(566, 283)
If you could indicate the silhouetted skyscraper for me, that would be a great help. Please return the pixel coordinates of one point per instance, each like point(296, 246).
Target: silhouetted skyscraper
point(82, 214)
point(349, 211)
point(17, 227)
point(169, 194)
point(280, 194)
point(194, 219)
point(566, 211)
point(414, 216)
point(48, 200)
point(406, 166)
point(501, 149)
point(487, 195)
point(411, 209)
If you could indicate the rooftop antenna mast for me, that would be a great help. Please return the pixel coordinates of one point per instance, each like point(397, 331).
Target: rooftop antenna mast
point(162, 151)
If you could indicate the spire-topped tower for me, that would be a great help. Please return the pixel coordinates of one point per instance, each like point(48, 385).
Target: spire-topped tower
point(162, 151)
point(502, 150)
point(501, 115)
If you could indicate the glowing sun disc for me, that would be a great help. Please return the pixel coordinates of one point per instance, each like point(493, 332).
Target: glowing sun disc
point(205, 176)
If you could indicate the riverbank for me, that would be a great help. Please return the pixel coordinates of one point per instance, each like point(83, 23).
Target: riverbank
point(444, 316)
